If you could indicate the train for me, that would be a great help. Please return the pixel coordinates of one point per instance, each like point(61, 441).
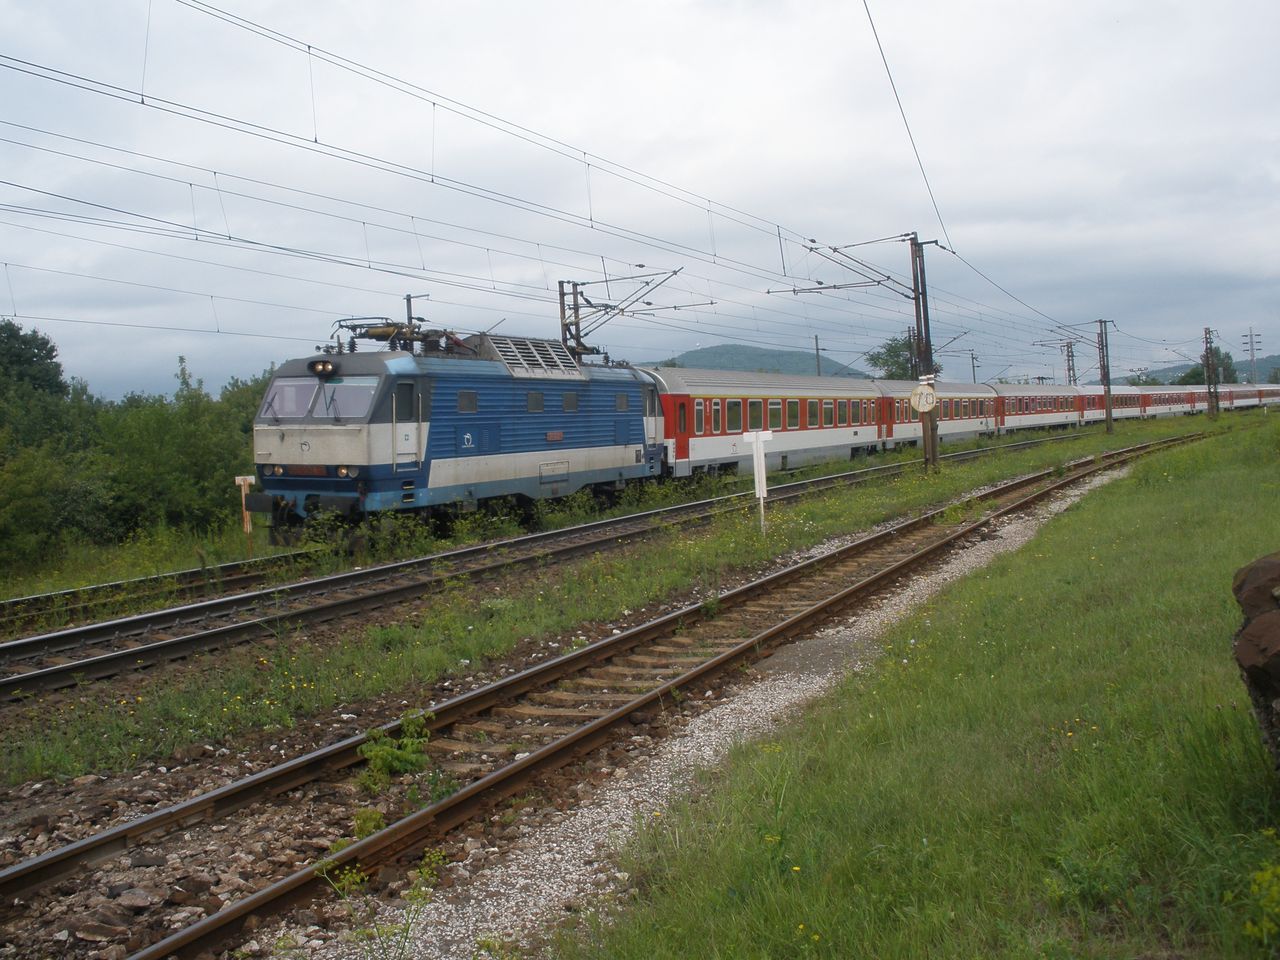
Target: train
point(434, 422)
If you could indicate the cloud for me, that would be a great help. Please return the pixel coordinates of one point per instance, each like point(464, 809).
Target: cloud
point(1096, 159)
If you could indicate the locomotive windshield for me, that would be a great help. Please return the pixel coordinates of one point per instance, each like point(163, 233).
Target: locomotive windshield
point(342, 398)
point(289, 398)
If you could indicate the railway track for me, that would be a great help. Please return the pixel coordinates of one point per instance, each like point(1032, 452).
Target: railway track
point(89, 603)
point(95, 651)
point(495, 740)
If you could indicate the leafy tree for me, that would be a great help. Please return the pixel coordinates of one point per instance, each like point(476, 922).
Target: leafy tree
point(1143, 380)
point(30, 358)
point(1274, 376)
point(893, 359)
point(32, 390)
point(1226, 370)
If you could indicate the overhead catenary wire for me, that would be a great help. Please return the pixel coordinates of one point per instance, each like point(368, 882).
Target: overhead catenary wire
point(884, 312)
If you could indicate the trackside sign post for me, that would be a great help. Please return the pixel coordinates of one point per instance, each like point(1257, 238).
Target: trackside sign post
point(757, 439)
point(244, 483)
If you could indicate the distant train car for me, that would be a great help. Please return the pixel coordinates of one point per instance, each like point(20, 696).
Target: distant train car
point(811, 418)
point(1028, 406)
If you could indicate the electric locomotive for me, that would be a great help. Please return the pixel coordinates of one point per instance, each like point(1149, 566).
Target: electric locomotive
point(440, 421)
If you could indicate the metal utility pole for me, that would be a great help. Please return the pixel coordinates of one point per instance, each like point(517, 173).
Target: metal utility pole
point(1104, 365)
point(1211, 373)
point(571, 319)
point(1252, 342)
point(817, 356)
point(928, 418)
point(1069, 347)
point(973, 365)
point(575, 327)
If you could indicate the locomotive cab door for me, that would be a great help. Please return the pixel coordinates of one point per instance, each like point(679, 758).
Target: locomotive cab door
point(406, 426)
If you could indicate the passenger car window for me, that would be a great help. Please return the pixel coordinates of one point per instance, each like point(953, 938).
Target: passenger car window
point(733, 416)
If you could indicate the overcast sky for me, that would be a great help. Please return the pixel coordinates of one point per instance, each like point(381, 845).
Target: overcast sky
point(177, 182)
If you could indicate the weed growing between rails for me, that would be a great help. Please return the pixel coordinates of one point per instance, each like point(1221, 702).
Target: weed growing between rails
point(1053, 759)
point(375, 937)
point(243, 690)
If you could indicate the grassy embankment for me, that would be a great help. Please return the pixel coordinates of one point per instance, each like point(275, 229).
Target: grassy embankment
point(274, 686)
point(1054, 759)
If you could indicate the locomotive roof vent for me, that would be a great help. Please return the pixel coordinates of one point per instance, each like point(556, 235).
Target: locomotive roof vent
point(526, 357)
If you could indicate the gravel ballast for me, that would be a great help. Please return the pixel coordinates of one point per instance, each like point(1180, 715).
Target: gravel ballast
point(561, 862)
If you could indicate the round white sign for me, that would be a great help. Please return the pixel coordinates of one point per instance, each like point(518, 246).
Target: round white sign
point(924, 398)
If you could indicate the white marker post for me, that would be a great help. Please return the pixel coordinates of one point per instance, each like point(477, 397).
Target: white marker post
point(757, 440)
point(244, 483)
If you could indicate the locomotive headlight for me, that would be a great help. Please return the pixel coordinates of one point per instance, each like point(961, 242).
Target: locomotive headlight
point(278, 470)
point(349, 472)
point(322, 368)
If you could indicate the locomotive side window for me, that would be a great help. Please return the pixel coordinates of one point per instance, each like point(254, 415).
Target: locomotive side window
point(755, 414)
point(775, 414)
point(570, 402)
point(699, 417)
point(534, 401)
point(813, 413)
point(715, 416)
point(289, 398)
point(405, 409)
point(793, 414)
point(620, 402)
point(467, 401)
point(733, 416)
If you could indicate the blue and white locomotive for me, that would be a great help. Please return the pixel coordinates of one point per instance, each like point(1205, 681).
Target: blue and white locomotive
point(453, 422)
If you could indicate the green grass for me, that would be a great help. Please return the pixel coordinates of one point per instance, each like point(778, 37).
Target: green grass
point(1054, 759)
point(254, 688)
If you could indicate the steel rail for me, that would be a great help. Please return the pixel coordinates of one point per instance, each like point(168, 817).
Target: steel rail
point(413, 831)
point(27, 876)
point(17, 687)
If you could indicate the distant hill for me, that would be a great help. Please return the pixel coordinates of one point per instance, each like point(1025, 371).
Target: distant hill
point(1169, 374)
point(760, 360)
